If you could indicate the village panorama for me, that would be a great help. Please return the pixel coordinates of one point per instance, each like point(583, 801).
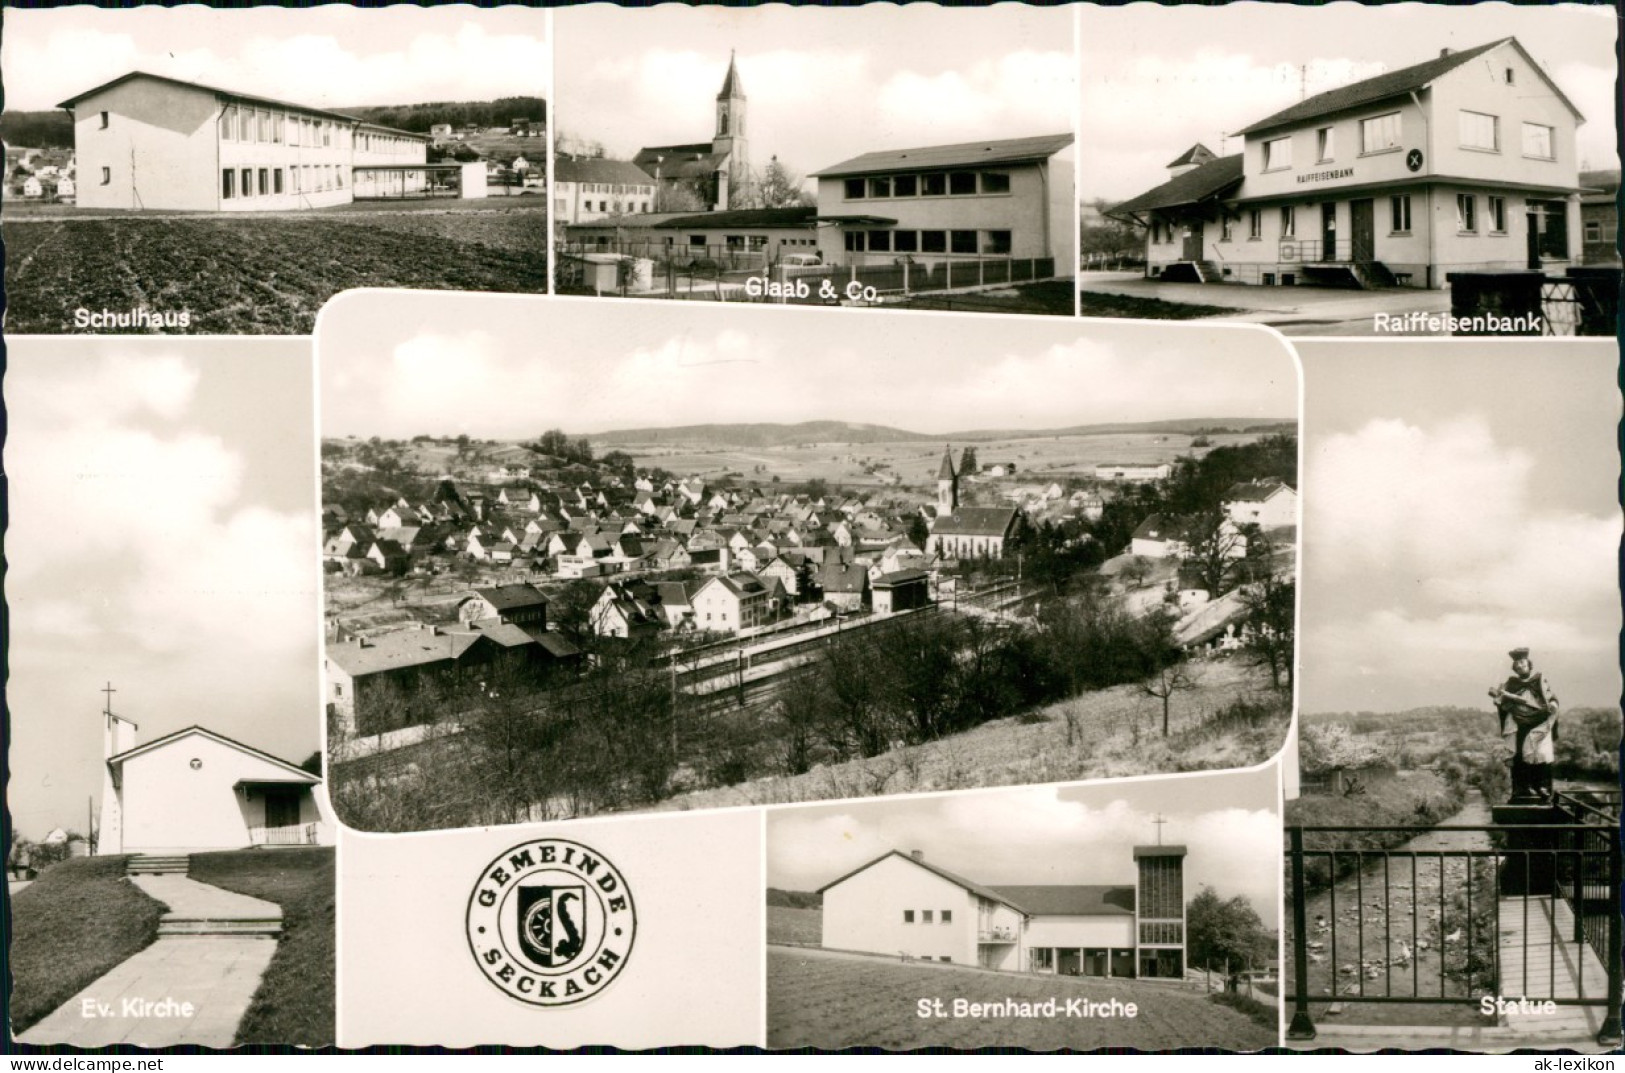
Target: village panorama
point(716, 615)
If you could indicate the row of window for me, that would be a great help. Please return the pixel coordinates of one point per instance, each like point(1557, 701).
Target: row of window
point(927, 916)
point(391, 144)
point(928, 184)
point(1481, 131)
point(617, 188)
point(1379, 134)
point(603, 206)
point(1550, 221)
point(239, 123)
point(261, 182)
point(895, 241)
point(1161, 931)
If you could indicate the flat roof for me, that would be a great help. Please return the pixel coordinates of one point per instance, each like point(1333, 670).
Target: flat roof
point(962, 154)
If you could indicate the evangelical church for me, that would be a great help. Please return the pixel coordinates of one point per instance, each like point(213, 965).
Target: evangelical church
point(900, 903)
point(198, 790)
point(707, 176)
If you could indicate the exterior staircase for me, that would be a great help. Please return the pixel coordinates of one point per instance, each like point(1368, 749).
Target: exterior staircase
point(174, 924)
point(1371, 274)
point(157, 864)
point(197, 909)
point(1364, 275)
point(1208, 272)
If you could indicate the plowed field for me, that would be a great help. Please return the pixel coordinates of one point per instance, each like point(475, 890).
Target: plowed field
point(258, 276)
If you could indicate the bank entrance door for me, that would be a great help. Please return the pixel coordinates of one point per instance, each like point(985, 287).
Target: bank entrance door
point(1328, 231)
point(1193, 241)
point(1363, 225)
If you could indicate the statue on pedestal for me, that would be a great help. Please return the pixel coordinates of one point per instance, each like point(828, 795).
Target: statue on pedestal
point(1528, 710)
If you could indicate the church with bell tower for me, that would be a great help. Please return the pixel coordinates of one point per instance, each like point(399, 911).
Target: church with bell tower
point(947, 484)
point(706, 176)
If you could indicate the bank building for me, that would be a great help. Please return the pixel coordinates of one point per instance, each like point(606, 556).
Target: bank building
point(1465, 162)
point(901, 904)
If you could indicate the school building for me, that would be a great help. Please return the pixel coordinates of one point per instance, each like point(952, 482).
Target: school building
point(146, 141)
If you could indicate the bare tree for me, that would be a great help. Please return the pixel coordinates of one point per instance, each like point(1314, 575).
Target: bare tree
point(671, 197)
point(1216, 547)
point(1172, 679)
point(777, 187)
point(1272, 627)
point(1135, 569)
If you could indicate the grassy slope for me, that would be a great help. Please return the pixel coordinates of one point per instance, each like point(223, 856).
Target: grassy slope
point(294, 1004)
point(835, 1002)
point(1118, 733)
point(795, 927)
point(69, 927)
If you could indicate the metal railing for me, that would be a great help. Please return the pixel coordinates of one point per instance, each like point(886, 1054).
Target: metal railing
point(1554, 887)
point(1579, 305)
point(996, 935)
point(298, 834)
point(1317, 251)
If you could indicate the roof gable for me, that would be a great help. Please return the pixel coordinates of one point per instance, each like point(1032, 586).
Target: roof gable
point(1393, 84)
point(1215, 179)
point(234, 95)
point(976, 521)
point(975, 888)
point(283, 766)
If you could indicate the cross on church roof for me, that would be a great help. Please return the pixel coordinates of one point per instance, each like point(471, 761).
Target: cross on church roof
point(109, 690)
point(1159, 821)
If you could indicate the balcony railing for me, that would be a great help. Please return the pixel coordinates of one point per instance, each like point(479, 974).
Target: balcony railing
point(1529, 911)
point(298, 834)
point(996, 935)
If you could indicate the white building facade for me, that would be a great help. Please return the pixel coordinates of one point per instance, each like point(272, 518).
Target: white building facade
point(197, 790)
point(149, 142)
point(1465, 162)
point(1009, 198)
point(902, 905)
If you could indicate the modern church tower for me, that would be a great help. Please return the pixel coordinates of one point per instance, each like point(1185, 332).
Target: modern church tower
point(1159, 910)
point(730, 139)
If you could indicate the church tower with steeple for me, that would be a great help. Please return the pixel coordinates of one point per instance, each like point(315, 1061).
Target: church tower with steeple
point(947, 484)
point(730, 139)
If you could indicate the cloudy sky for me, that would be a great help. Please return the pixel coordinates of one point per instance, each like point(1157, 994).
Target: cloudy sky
point(162, 538)
point(1047, 834)
point(821, 85)
point(1156, 79)
point(397, 365)
point(329, 56)
point(1459, 501)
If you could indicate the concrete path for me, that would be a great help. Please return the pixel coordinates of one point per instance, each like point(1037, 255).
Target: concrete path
point(190, 987)
point(1293, 310)
point(1539, 958)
